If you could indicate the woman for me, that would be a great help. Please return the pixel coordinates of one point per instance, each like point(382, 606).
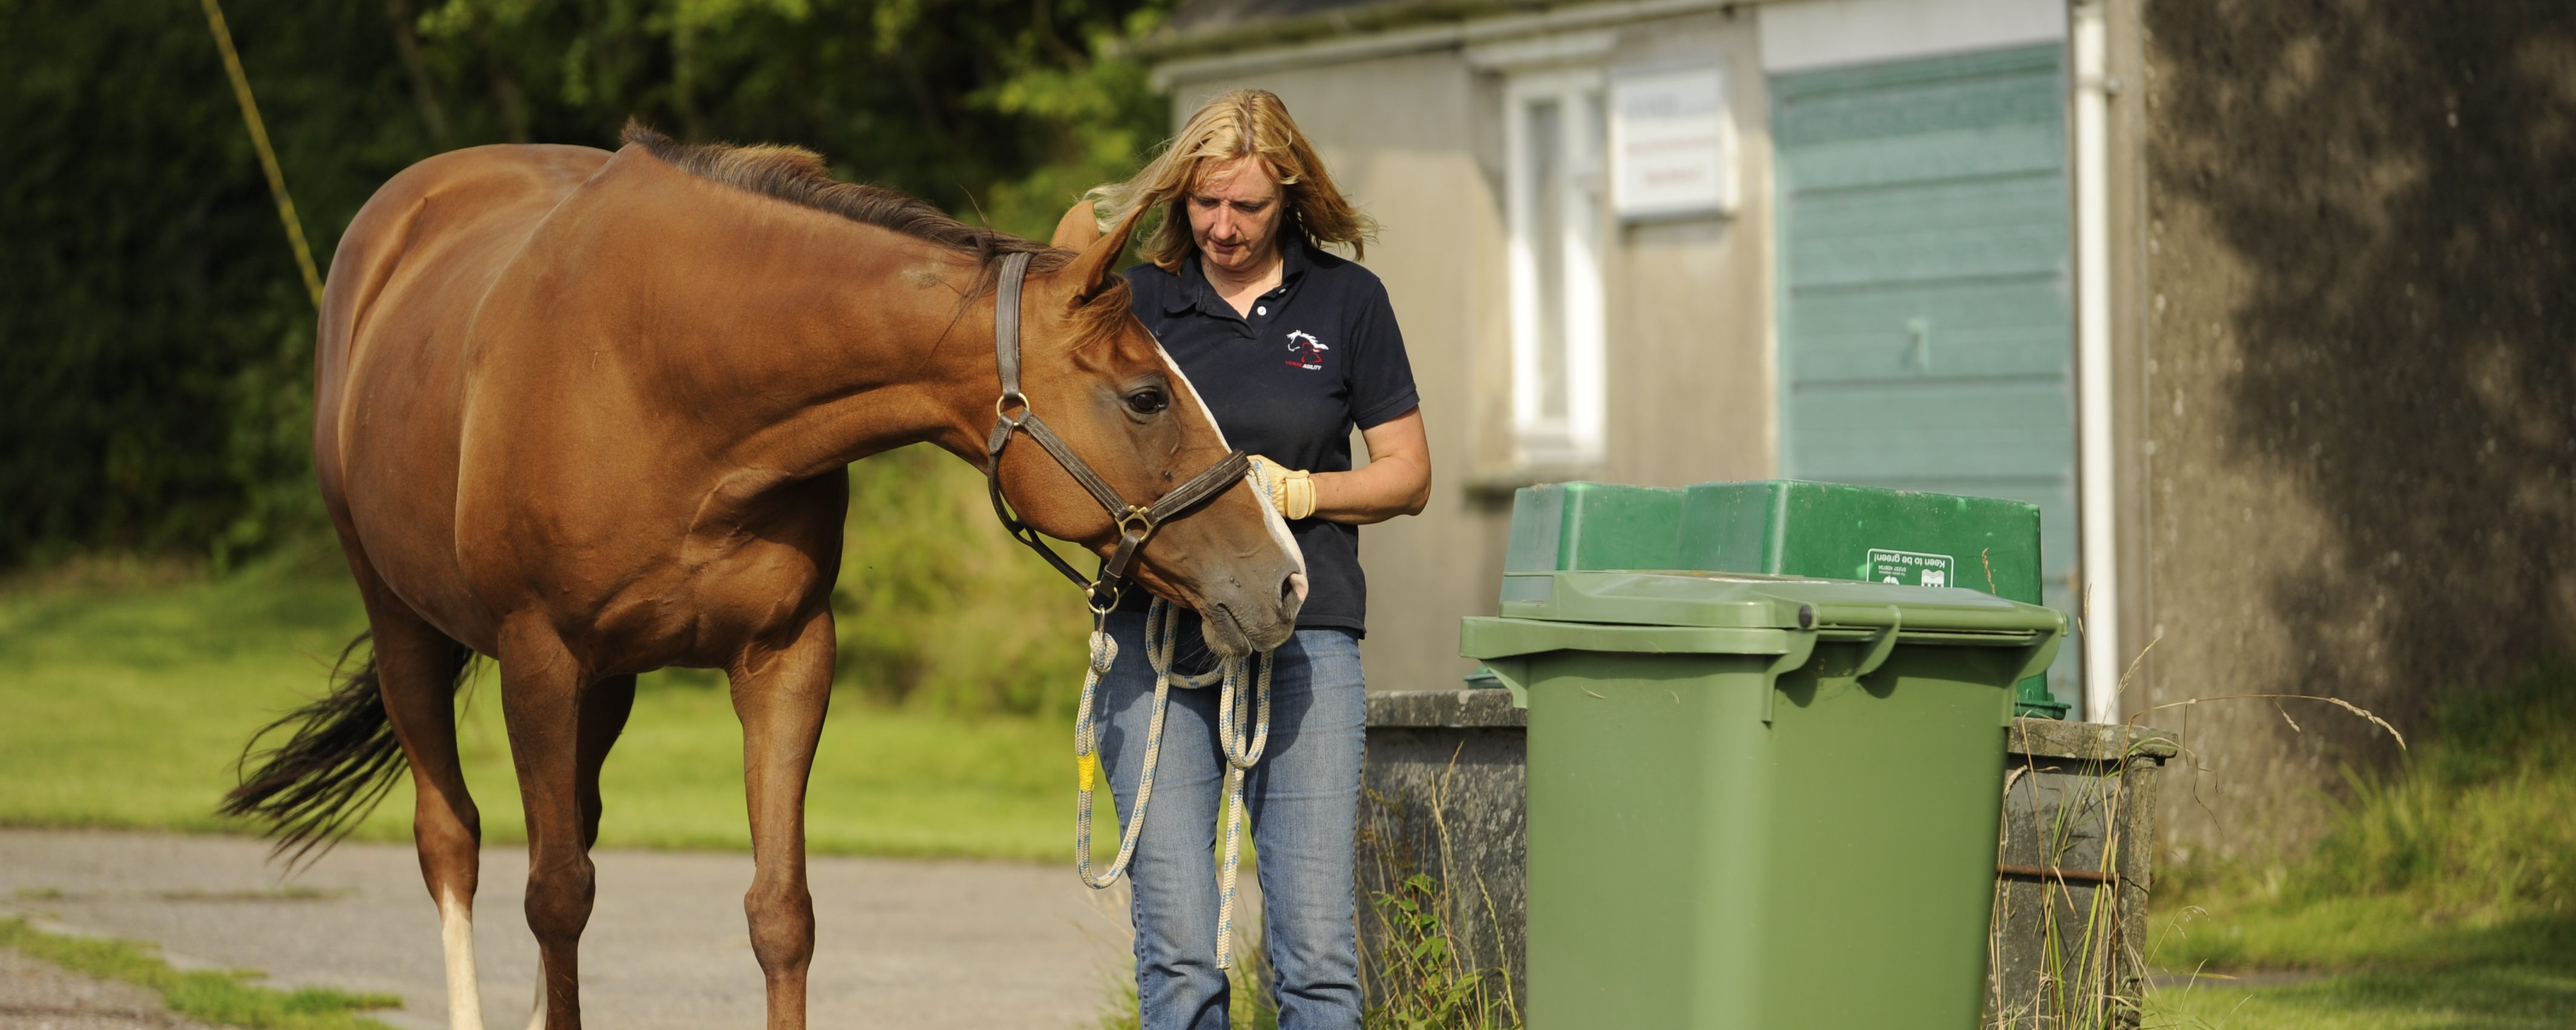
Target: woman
point(1289, 347)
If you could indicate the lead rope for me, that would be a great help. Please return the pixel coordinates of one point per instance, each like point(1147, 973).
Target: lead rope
point(1241, 753)
point(1240, 756)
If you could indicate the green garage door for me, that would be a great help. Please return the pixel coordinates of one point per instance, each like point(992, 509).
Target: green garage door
point(1926, 306)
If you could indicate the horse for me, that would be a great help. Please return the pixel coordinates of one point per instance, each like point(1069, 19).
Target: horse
point(590, 414)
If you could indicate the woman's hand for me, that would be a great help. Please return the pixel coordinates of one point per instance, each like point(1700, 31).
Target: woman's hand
point(1292, 491)
point(1396, 481)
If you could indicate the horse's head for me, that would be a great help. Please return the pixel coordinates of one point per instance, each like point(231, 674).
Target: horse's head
point(1102, 383)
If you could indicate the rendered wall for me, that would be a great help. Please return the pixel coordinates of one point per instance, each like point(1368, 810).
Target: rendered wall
point(2354, 322)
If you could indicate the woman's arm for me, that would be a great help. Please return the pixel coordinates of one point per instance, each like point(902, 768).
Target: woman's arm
point(1396, 481)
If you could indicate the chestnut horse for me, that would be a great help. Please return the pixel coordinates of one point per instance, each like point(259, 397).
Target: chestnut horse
point(590, 414)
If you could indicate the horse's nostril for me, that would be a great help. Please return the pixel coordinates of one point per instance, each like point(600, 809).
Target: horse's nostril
point(1293, 590)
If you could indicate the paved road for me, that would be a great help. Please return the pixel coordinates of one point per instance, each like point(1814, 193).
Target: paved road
point(901, 944)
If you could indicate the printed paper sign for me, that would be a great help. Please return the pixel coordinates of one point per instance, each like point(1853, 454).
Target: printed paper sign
point(1671, 144)
point(1912, 568)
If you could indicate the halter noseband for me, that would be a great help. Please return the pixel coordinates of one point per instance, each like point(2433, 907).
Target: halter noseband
point(1136, 523)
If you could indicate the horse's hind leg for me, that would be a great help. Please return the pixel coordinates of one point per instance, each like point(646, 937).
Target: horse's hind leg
point(417, 669)
point(542, 688)
point(603, 716)
point(780, 693)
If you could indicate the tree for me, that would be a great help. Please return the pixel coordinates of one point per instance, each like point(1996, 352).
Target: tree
point(155, 343)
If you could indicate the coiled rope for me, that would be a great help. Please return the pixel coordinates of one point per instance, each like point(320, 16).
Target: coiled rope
point(1234, 708)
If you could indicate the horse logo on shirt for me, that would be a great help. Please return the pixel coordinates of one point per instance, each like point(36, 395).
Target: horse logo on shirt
point(1307, 351)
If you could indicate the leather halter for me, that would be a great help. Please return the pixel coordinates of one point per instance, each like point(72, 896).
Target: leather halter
point(1136, 523)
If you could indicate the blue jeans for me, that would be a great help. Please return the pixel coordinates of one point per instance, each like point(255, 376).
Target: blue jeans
point(1303, 802)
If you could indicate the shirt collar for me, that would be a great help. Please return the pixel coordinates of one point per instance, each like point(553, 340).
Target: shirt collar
point(1197, 292)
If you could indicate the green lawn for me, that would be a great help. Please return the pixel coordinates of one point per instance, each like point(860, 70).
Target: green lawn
point(2386, 965)
point(128, 692)
point(2443, 896)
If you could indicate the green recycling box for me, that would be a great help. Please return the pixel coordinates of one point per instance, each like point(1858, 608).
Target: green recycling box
point(1789, 527)
point(1567, 526)
point(1759, 802)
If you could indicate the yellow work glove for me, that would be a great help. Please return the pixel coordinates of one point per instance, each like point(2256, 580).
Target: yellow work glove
point(1291, 491)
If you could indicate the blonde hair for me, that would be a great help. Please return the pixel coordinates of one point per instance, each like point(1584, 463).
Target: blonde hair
point(1237, 124)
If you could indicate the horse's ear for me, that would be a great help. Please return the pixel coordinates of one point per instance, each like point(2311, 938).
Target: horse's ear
point(1078, 228)
point(1098, 265)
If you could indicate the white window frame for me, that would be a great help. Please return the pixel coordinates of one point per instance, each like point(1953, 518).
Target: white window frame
point(1574, 436)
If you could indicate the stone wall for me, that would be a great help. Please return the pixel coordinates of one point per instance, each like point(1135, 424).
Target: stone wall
point(1444, 795)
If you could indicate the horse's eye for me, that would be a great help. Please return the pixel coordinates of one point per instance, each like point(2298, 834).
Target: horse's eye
point(1147, 401)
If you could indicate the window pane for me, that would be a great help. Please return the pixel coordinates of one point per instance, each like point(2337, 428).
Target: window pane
point(1547, 214)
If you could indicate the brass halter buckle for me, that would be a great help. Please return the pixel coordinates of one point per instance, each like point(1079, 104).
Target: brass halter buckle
point(1136, 516)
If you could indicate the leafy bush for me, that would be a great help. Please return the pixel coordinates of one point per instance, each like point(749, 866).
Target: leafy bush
point(938, 607)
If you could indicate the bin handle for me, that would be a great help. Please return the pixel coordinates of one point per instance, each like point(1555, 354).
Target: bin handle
point(1802, 646)
point(2036, 658)
point(1513, 672)
point(1880, 644)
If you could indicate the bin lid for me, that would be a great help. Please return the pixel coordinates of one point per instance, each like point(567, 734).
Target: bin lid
point(1753, 601)
point(1666, 612)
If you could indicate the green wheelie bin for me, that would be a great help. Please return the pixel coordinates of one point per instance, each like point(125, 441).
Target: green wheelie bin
point(1759, 802)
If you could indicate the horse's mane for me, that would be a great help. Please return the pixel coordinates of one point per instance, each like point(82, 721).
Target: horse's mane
point(797, 176)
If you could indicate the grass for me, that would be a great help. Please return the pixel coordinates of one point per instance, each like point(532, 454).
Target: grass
point(130, 689)
point(2440, 897)
point(2388, 966)
point(1431, 989)
point(1248, 1002)
point(208, 996)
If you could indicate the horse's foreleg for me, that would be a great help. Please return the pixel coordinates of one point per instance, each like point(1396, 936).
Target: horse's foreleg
point(416, 669)
point(780, 693)
point(542, 687)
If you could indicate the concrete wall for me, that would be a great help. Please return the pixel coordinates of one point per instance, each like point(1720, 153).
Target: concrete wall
point(2355, 287)
point(1416, 139)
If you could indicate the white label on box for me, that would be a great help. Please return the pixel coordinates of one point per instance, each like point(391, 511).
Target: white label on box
point(1911, 568)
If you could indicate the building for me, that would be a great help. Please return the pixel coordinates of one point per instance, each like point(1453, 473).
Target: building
point(2266, 305)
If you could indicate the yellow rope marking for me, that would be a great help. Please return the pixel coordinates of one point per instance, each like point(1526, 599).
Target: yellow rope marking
point(267, 156)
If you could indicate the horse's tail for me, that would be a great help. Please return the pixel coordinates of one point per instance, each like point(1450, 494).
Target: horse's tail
point(342, 759)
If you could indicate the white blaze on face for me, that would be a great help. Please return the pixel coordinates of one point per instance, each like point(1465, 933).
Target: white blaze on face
point(1269, 512)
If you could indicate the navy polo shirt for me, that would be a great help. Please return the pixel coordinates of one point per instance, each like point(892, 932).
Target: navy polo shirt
point(1314, 357)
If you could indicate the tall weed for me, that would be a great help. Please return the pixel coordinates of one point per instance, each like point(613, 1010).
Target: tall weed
point(1249, 1005)
point(2479, 820)
point(2474, 834)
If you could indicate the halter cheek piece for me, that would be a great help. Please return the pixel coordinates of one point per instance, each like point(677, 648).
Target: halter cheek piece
point(1012, 414)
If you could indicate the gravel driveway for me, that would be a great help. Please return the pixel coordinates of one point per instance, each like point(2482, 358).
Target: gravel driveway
point(901, 943)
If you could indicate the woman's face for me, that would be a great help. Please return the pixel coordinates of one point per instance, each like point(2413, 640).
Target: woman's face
point(1234, 215)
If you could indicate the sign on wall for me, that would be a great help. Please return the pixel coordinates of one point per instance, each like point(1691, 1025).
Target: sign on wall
point(1671, 143)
